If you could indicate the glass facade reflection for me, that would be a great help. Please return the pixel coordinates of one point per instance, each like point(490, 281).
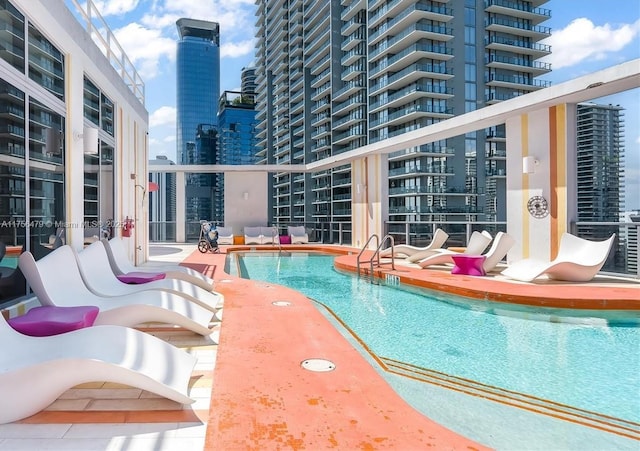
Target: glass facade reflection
point(198, 90)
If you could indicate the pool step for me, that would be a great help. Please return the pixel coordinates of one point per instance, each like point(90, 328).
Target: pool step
point(542, 406)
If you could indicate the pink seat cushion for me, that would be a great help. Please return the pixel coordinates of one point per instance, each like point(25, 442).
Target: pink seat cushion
point(137, 277)
point(51, 320)
point(470, 265)
point(285, 239)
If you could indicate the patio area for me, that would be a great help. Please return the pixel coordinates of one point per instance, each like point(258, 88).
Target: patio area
point(251, 392)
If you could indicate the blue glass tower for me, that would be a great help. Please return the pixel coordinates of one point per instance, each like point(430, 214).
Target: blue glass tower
point(198, 91)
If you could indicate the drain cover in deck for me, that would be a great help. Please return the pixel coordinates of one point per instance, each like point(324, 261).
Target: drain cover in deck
point(318, 365)
point(281, 303)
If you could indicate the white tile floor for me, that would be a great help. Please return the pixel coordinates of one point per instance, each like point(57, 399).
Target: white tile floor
point(121, 436)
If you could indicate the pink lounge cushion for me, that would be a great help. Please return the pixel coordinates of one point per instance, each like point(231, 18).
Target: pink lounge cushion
point(137, 277)
point(51, 320)
point(285, 239)
point(470, 265)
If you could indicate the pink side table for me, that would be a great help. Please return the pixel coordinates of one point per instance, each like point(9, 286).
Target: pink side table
point(470, 265)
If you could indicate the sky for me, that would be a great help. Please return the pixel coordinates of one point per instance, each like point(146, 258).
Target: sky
point(587, 36)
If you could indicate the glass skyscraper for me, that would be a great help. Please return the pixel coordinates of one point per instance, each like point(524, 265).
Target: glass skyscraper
point(198, 91)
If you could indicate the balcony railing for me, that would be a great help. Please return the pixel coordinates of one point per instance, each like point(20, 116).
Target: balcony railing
point(623, 259)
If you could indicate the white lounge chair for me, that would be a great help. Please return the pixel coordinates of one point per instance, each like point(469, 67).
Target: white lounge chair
point(225, 235)
point(298, 234)
point(93, 263)
point(55, 280)
point(478, 242)
point(35, 371)
point(578, 260)
point(406, 250)
point(269, 235)
point(120, 264)
point(498, 250)
point(252, 235)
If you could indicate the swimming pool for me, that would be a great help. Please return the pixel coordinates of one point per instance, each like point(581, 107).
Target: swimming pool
point(586, 370)
point(9, 261)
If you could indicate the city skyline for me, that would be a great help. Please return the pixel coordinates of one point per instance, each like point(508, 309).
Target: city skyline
point(585, 38)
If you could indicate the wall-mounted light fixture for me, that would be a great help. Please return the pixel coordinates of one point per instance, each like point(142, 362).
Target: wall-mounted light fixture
point(89, 137)
point(529, 164)
point(245, 195)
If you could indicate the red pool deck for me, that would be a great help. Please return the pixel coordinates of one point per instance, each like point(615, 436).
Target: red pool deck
point(263, 399)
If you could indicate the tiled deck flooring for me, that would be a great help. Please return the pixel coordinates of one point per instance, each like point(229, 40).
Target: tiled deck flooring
point(261, 398)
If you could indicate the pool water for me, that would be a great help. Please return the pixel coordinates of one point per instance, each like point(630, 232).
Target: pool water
point(588, 363)
point(9, 261)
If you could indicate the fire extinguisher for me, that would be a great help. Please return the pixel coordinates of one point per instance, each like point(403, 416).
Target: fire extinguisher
point(127, 226)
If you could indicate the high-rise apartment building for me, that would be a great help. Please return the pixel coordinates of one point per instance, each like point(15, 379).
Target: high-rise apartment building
point(600, 162)
point(198, 91)
point(600, 173)
point(335, 75)
point(162, 203)
point(237, 127)
point(248, 80)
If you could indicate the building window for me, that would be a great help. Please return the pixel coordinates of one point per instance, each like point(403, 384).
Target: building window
point(46, 63)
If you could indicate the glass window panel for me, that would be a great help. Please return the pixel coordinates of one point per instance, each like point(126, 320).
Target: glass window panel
point(12, 165)
point(46, 172)
point(46, 63)
point(91, 101)
point(12, 35)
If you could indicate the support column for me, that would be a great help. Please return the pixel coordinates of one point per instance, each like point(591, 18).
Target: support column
point(541, 180)
point(181, 199)
point(369, 198)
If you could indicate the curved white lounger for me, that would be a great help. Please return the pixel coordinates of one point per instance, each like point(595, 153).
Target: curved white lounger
point(120, 264)
point(98, 276)
point(406, 250)
point(478, 242)
point(35, 371)
point(55, 279)
point(498, 250)
point(578, 260)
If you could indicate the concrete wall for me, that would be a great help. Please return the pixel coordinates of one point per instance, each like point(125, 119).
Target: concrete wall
point(245, 200)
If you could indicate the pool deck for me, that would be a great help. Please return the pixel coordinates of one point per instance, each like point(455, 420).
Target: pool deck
point(253, 393)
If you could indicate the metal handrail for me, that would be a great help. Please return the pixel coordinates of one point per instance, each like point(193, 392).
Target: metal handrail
point(376, 254)
point(362, 251)
point(393, 258)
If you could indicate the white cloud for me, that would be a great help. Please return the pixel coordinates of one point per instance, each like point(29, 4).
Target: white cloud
point(163, 116)
point(145, 47)
point(236, 18)
point(170, 139)
point(115, 7)
point(581, 39)
point(237, 49)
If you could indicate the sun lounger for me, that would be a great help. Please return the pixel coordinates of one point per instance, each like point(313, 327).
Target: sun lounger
point(578, 260)
point(225, 235)
point(406, 250)
point(55, 280)
point(498, 250)
point(93, 263)
point(120, 264)
point(298, 235)
point(35, 371)
point(478, 242)
point(252, 235)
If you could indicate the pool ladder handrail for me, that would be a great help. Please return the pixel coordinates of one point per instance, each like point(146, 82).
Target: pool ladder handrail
point(275, 236)
point(376, 255)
